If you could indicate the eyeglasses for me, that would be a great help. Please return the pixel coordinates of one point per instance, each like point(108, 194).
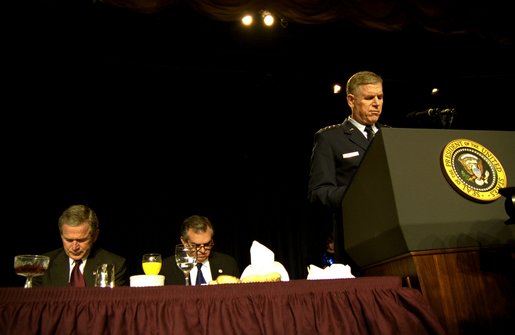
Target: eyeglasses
point(207, 246)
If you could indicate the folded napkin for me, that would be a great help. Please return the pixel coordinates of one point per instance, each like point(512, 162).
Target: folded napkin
point(262, 262)
point(334, 271)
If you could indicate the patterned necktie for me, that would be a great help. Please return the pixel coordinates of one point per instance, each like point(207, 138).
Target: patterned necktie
point(370, 133)
point(200, 277)
point(76, 279)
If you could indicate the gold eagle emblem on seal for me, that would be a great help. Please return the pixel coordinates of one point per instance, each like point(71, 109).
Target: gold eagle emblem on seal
point(473, 170)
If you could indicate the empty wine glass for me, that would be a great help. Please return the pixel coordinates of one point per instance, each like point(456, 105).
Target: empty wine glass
point(186, 258)
point(30, 266)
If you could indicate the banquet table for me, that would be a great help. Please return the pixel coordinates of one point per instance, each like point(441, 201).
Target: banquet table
point(365, 305)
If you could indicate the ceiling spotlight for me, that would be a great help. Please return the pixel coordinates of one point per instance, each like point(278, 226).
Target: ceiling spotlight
point(247, 20)
point(268, 18)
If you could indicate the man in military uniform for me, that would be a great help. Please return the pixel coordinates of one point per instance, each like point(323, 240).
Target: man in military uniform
point(338, 150)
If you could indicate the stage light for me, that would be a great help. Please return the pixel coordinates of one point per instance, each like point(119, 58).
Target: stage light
point(247, 20)
point(268, 18)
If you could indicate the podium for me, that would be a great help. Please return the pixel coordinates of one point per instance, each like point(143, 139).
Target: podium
point(403, 216)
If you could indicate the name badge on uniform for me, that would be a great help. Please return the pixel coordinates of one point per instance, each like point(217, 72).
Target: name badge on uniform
point(350, 154)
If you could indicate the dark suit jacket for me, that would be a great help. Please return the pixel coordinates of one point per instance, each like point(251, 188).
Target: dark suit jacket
point(336, 155)
point(59, 268)
point(219, 264)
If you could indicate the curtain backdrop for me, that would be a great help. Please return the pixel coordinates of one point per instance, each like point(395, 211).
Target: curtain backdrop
point(487, 19)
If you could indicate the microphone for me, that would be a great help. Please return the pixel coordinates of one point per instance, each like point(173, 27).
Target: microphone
point(431, 112)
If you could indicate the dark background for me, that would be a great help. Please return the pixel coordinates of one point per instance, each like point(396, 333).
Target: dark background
point(150, 118)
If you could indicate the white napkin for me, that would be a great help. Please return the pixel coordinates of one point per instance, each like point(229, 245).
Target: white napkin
point(334, 271)
point(262, 262)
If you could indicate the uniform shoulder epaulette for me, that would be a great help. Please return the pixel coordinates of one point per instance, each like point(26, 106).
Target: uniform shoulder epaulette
point(333, 126)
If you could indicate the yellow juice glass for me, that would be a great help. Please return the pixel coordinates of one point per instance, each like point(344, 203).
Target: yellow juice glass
point(151, 263)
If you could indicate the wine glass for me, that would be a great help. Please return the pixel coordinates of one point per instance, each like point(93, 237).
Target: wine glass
point(30, 266)
point(151, 263)
point(186, 258)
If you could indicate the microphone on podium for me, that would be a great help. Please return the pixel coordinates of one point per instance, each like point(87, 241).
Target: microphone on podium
point(431, 112)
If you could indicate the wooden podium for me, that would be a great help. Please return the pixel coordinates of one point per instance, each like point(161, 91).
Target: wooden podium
point(403, 216)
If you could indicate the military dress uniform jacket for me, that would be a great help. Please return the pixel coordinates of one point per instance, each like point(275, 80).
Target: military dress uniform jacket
point(336, 155)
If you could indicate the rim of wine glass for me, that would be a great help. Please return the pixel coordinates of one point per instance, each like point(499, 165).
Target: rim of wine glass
point(152, 254)
point(32, 256)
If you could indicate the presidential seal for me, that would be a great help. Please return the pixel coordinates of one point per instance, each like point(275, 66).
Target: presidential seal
point(473, 170)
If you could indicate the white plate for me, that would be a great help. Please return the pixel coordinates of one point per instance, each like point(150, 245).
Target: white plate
point(147, 280)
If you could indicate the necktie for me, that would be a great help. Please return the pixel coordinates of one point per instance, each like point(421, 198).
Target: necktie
point(370, 133)
point(200, 277)
point(76, 279)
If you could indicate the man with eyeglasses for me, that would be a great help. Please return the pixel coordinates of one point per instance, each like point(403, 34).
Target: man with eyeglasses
point(198, 230)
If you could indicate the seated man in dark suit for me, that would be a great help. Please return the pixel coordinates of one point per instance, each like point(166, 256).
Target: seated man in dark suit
point(78, 226)
point(198, 230)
